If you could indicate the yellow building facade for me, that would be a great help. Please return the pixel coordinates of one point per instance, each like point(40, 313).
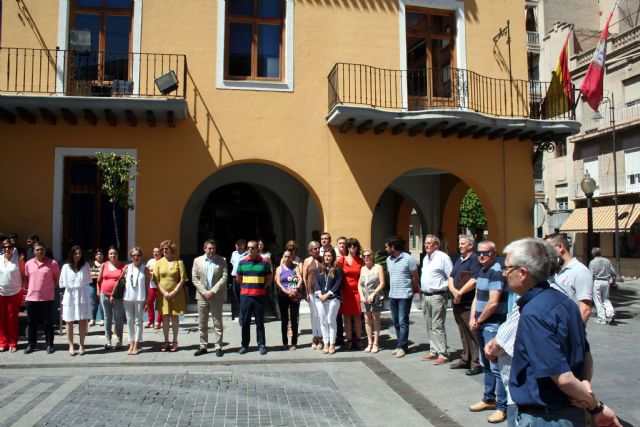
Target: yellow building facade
point(289, 116)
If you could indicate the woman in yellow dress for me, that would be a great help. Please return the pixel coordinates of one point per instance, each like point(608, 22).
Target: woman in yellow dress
point(169, 274)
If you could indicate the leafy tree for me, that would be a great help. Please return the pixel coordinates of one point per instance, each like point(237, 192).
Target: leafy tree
point(472, 213)
point(117, 176)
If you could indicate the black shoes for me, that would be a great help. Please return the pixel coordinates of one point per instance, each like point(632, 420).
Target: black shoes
point(29, 349)
point(50, 349)
point(263, 350)
point(474, 371)
point(200, 351)
point(459, 364)
point(243, 350)
point(219, 352)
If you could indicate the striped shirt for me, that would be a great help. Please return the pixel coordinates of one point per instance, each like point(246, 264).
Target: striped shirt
point(491, 280)
point(252, 274)
point(400, 278)
point(506, 339)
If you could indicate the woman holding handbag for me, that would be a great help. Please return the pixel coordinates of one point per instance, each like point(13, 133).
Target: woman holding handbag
point(137, 279)
point(110, 273)
point(75, 278)
point(290, 293)
point(371, 287)
point(327, 291)
point(169, 274)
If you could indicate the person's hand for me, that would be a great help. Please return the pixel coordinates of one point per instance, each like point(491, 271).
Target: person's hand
point(370, 299)
point(473, 325)
point(209, 295)
point(110, 299)
point(490, 351)
point(606, 418)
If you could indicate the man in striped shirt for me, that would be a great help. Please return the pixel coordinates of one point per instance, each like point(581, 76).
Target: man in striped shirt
point(254, 276)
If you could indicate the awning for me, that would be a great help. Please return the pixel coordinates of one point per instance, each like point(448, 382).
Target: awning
point(604, 219)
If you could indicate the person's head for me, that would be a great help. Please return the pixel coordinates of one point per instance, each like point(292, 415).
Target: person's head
point(325, 239)
point(560, 243)
point(287, 258)
point(353, 246)
point(465, 244)
point(209, 246)
point(98, 255)
point(596, 252)
point(369, 257)
point(487, 253)
point(31, 239)
point(314, 249)
point(75, 258)
point(39, 250)
point(329, 258)
point(261, 246)
point(527, 262)
point(241, 245)
point(431, 243)
point(136, 255)
point(157, 253)
point(7, 248)
point(292, 246)
point(252, 248)
point(341, 244)
point(393, 245)
point(168, 248)
point(113, 254)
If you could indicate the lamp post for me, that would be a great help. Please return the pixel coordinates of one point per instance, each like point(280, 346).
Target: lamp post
point(612, 122)
point(588, 186)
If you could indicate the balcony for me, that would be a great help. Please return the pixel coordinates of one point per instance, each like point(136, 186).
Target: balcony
point(538, 186)
point(626, 115)
point(449, 101)
point(533, 41)
point(120, 87)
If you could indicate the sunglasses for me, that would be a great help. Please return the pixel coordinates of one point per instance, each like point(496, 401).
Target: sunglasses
point(8, 247)
point(485, 253)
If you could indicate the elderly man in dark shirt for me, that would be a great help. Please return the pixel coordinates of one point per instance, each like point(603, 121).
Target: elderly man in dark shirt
point(552, 366)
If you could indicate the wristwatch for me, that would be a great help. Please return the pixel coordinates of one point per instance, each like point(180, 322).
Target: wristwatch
point(599, 408)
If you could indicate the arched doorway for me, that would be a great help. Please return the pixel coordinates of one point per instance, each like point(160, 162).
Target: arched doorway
point(249, 201)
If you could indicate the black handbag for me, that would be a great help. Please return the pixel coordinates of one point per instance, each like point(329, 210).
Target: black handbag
point(121, 285)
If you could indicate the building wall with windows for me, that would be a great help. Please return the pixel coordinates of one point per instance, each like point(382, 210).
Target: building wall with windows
point(270, 130)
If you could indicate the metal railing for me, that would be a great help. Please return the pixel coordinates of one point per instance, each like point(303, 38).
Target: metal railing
point(533, 38)
point(624, 113)
point(445, 88)
point(538, 185)
point(96, 73)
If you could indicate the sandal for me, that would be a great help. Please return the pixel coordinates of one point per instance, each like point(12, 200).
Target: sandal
point(174, 347)
point(82, 352)
point(107, 345)
point(368, 349)
point(165, 347)
point(374, 348)
point(147, 325)
point(13, 349)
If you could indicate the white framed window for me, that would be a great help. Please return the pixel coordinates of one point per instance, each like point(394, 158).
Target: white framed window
point(632, 171)
point(591, 166)
point(562, 203)
point(58, 193)
point(245, 48)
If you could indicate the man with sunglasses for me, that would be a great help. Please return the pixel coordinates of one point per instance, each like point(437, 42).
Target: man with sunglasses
point(488, 311)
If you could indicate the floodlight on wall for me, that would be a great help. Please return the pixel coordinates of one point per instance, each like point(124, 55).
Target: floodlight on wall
point(167, 82)
point(80, 40)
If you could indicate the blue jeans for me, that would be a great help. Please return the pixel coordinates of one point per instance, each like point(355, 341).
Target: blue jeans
point(493, 386)
point(96, 307)
point(567, 417)
point(400, 309)
point(512, 413)
point(252, 305)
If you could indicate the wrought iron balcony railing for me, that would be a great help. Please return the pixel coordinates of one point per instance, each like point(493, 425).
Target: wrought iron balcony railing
point(446, 88)
point(96, 73)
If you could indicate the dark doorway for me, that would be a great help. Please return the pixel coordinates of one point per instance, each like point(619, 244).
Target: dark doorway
point(232, 212)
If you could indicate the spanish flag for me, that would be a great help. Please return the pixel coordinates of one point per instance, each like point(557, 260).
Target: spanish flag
point(559, 98)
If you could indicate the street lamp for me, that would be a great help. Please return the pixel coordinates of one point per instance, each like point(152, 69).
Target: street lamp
point(612, 121)
point(588, 186)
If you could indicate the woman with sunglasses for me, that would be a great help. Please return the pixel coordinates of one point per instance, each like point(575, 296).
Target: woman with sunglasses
point(327, 291)
point(75, 278)
point(350, 306)
point(113, 309)
point(11, 277)
point(371, 287)
point(169, 274)
point(135, 298)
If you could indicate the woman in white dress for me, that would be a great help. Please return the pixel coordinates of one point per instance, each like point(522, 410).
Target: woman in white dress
point(75, 278)
point(135, 298)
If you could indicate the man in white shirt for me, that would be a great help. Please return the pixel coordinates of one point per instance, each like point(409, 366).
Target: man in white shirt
point(574, 279)
point(436, 268)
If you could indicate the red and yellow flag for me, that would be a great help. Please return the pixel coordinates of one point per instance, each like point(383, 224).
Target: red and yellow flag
point(559, 98)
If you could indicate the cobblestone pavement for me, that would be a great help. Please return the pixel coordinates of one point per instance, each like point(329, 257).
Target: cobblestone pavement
point(283, 388)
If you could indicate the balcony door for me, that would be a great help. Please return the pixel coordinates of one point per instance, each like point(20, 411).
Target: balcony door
point(430, 58)
point(108, 23)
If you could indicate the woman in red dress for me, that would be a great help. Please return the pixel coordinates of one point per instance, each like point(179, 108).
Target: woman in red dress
point(351, 265)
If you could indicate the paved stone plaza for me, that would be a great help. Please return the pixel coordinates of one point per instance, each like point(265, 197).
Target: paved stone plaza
point(283, 388)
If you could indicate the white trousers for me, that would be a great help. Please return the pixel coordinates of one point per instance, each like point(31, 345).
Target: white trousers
point(328, 313)
point(134, 310)
point(313, 316)
point(604, 308)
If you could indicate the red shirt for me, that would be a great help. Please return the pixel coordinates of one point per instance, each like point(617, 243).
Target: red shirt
point(110, 278)
point(43, 279)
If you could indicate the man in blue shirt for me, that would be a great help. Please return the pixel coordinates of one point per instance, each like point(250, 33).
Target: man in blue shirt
point(552, 365)
point(488, 311)
point(462, 285)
